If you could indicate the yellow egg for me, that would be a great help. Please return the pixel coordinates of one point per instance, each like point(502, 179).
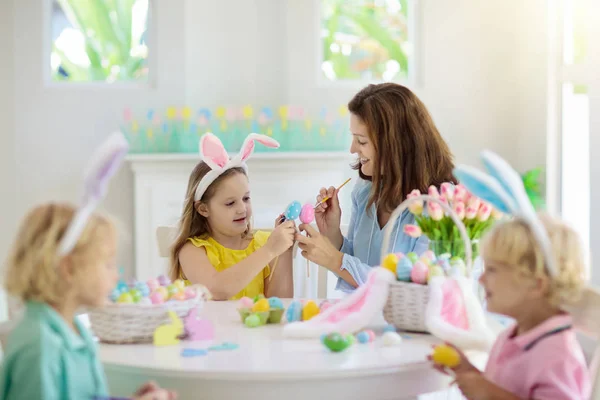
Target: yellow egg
point(446, 356)
point(389, 262)
point(261, 305)
point(309, 310)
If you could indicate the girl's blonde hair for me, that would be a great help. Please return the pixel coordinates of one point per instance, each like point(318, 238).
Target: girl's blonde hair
point(512, 243)
point(192, 223)
point(32, 272)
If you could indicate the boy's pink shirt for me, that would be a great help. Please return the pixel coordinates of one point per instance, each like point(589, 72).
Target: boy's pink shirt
point(553, 368)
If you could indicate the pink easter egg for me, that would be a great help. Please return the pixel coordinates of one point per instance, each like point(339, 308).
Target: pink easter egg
point(371, 335)
point(152, 284)
point(307, 214)
point(246, 302)
point(400, 256)
point(189, 293)
point(430, 255)
point(419, 273)
point(157, 298)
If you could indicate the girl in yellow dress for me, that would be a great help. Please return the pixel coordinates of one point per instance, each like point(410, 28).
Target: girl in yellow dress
point(215, 245)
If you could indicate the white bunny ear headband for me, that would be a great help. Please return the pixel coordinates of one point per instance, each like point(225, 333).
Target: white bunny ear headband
point(215, 156)
point(503, 188)
point(101, 167)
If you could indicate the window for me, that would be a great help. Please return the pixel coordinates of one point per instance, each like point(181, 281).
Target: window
point(99, 40)
point(366, 40)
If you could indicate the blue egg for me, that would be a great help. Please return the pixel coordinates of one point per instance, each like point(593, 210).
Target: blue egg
point(275, 302)
point(294, 312)
point(389, 328)
point(114, 295)
point(404, 269)
point(122, 287)
point(293, 210)
point(143, 288)
point(362, 337)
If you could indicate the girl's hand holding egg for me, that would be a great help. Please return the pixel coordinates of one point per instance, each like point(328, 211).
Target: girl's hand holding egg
point(282, 238)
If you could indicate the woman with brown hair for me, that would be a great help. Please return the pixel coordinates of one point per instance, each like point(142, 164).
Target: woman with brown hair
point(399, 149)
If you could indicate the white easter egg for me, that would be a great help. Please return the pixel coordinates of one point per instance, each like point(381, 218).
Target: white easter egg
point(391, 339)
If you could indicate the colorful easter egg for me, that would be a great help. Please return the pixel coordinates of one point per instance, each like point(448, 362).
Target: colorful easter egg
point(190, 293)
point(404, 269)
point(336, 342)
point(429, 254)
point(136, 295)
point(371, 334)
point(261, 306)
point(179, 283)
point(390, 262)
point(293, 210)
point(391, 339)
point(363, 337)
point(157, 297)
point(446, 356)
point(351, 339)
point(152, 284)
point(252, 321)
point(389, 328)
point(310, 310)
point(258, 297)
point(434, 271)
point(125, 298)
point(143, 288)
point(122, 286)
point(245, 302)
point(419, 273)
point(275, 303)
point(400, 256)
point(412, 256)
point(171, 290)
point(307, 214)
point(164, 281)
point(114, 295)
point(163, 292)
point(294, 311)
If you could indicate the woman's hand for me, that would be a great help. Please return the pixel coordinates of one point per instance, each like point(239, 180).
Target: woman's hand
point(151, 391)
point(282, 237)
point(328, 216)
point(318, 249)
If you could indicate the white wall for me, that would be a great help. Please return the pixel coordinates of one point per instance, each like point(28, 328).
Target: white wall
point(473, 54)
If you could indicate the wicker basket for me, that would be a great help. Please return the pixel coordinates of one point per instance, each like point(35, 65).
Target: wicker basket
point(407, 301)
point(136, 323)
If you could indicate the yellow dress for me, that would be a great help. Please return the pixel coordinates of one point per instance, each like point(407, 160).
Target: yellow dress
point(222, 258)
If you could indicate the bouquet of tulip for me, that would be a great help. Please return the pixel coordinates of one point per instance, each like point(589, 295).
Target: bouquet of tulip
point(477, 216)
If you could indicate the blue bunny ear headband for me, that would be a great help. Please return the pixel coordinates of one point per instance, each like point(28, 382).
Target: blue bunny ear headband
point(503, 188)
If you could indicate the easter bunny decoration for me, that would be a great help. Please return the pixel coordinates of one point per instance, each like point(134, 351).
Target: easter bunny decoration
point(215, 156)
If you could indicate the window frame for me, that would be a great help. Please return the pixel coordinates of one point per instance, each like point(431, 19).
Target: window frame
point(152, 60)
point(414, 61)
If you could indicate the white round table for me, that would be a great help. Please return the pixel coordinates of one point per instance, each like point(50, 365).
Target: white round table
point(267, 366)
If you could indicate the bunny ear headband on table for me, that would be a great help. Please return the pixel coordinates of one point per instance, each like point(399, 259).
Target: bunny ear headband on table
point(215, 156)
point(503, 188)
point(102, 166)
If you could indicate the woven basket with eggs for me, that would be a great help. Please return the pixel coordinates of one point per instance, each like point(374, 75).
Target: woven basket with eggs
point(407, 301)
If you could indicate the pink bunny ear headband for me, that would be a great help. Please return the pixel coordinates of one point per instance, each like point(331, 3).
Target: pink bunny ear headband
point(215, 156)
point(102, 166)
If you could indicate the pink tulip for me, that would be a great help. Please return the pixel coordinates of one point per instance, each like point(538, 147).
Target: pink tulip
point(433, 192)
point(447, 190)
point(414, 193)
point(416, 207)
point(471, 212)
point(474, 202)
point(459, 209)
point(460, 193)
point(496, 214)
point(443, 199)
point(435, 211)
point(484, 212)
point(412, 230)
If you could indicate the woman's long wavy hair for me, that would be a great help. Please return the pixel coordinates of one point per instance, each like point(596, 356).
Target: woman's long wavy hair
point(410, 153)
point(192, 223)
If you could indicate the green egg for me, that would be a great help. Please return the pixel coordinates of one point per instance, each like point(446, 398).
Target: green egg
point(252, 321)
point(336, 342)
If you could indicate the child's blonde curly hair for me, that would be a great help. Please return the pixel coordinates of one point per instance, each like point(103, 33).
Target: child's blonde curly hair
point(32, 272)
point(512, 243)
